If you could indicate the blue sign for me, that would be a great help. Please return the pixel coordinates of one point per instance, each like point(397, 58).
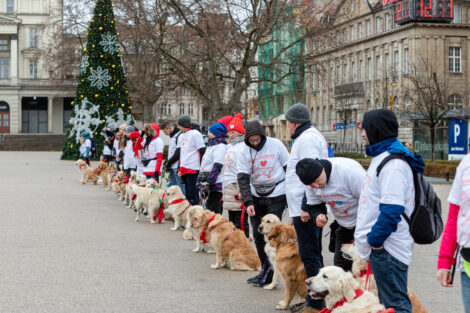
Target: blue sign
point(339, 125)
point(352, 124)
point(457, 136)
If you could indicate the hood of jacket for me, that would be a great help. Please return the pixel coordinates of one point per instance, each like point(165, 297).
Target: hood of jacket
point(255, 128)
point(196, 127)
point(174, 132)
point(380, 124)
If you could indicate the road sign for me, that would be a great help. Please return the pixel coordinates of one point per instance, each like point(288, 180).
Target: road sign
point(457, 137)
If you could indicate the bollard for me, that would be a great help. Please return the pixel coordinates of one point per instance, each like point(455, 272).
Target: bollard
point(447, 176)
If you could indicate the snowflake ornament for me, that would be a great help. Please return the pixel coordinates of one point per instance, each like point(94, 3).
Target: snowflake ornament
point(83, 120)
point(84, 64)
point(99, 78)
point(117, 119)
point(110, 43)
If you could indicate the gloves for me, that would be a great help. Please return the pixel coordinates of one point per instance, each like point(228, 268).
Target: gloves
point(142, 133)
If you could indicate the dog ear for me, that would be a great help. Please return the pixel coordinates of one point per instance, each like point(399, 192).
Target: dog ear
point(274, 232)
point(349, 285)
point(291, 234)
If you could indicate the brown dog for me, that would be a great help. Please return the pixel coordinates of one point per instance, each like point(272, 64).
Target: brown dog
point(103, 173)
point(284, 239)
point(232, 248)
point(88, 173)
point(112, 170)
point(117, 183)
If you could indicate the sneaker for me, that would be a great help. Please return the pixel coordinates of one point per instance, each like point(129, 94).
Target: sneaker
point(267, 279)
point(253, 280)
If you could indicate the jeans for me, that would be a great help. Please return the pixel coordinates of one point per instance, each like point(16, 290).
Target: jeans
point(235, 217)
point(263, 206)
point(213, 202)
point(343, 235)
point(309, 240)
point(466, 292)
point(154, 176)
point(391, 277)
point(192, 193)
point(176, 180)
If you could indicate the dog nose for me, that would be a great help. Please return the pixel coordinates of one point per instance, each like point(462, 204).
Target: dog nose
point(260, 229)
point(307, 282)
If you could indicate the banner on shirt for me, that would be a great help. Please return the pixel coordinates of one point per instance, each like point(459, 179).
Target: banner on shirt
point(457, 137)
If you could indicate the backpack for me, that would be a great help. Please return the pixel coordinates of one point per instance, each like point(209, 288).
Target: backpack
point(93, 148)
point(425, 222)
point(331, 154)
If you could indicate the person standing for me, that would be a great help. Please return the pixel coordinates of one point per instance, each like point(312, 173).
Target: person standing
point(116, 145)
point(85, 147)
point(336, 182)
point(261, 175)
point(129, 158)
point(192, 149)
point(152, 155)
point(209, 179)
point(382, 235)
point(457, 234)
point(170, 129)
point(307, 142)
point(231, 193)
point(108, 146)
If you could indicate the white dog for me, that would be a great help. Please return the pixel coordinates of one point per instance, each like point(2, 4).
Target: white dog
point(178, 206)
point(342, 292)
point(130, 195)
point(191, 233)
point(267, 223)
point(143, 195)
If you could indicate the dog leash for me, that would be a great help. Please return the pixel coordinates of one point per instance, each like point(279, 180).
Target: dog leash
point(369, 272)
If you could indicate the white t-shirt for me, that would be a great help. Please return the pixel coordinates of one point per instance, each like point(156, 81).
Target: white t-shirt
point(230, 169)
point(310, 144)
point(214, 154)
point(150, 152)
point(83, 146)
point(172, 148)
point(265, 166)
point(393, 186)
point(342, 191)
point(189, 143)
point(460, 195)
point(130, 160)
point(116, 147)
point(107, 150)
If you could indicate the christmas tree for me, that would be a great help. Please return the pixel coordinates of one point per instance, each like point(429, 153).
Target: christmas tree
point(102, 99)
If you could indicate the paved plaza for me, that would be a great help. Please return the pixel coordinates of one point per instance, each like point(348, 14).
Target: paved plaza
point(65, 247)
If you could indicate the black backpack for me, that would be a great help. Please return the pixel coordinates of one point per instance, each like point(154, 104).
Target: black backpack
point(93, 148)
point(425, 222)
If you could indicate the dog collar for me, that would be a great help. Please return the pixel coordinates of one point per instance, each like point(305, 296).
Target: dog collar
point(177, 201)
point(202, 237)
point(82, 165)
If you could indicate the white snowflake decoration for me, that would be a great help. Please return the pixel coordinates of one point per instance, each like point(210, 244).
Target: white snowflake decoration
point(84, 64)
point(83, 120)
point(117, 119)
point(99, 78)
point(110, 43)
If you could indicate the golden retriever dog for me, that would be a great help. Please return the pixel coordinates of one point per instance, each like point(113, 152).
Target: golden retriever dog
point(335, 285)
point(359, 270)
point(178, 206)
point(143, 195)
point(232, 248)
point(112, 170)
point(267, 223)
point(195, 234)
point(284, 239)
point(130, 195)
point(103, 173)
point(88, 173)
point(156, 201)
point(118, 184)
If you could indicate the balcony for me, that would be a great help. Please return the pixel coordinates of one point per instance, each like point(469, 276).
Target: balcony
point(38, 83)
point(351, 90)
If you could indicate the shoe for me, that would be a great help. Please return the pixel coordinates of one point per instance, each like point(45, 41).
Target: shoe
point(267, 278)
point(299, 307)
point(253, 280)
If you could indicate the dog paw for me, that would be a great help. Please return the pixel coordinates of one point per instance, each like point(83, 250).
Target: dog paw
point(269, 287)
point(196, 250)
point(210, 251)
point(136, 219)
point(152, 221)
point(281, 306)
point(215, 266)
point(173, 228)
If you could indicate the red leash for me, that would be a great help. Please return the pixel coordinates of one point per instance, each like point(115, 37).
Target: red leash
point(369, 271)
point(202, 237)
point(242, 218)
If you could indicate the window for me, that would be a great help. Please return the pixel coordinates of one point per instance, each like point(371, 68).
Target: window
point(345, 73)
point(359, 31)
point(337, 75)
point(353, 72)
point(181, 108)
point(4, 68)
point(396, 104)
point(33, 37)
point(190, 109)
point(168, 108)
point(454, 59)
point(378, 24)
point(457, 14)
point(318, 116)
point(10, 6)
point(406, 60)
point(3, 45)
point(369, 69)
point(377, 103)
point(345, 35)
point(368, 28)
point(330, 113)
point(455, 101)
point(388, 21)
point(360, 70)
point(387, 65)
point(33, 69)
point(163, 109)
point(395, 63)
point(377, 67)
point(324, 117)
point(352, 33)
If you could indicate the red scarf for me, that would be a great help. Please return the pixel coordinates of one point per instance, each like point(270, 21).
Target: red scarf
point(82, 165)
point(160, 214)
point(177, 201)
point(203, 233)
point(138, 146)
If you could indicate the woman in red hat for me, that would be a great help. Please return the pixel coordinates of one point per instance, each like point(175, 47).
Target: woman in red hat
point(152, 155)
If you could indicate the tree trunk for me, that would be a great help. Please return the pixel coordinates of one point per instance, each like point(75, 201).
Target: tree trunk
point(433, 152)
point(147, 113)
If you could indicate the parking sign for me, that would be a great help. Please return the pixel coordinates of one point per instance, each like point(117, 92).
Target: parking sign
point(457, 137)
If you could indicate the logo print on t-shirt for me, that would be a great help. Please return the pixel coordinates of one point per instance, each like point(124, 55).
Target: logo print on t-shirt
point(263, 163)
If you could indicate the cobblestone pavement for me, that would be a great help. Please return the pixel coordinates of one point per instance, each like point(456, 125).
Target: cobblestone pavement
point(65, 247)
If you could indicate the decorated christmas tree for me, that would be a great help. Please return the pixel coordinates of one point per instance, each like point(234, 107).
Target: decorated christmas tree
point(102, 99)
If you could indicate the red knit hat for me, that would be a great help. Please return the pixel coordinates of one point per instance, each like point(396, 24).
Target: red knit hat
point(225, 120)
point(134, 135)
point(236, 124)
point(156, 128)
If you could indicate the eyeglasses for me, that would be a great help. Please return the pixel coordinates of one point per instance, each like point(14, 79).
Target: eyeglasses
point(254, 141)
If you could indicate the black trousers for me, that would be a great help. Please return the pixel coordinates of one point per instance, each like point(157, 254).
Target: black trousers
point(213, 202)
point(263, 206)
point(192, 192)
point(343, 235)
point(235, 217)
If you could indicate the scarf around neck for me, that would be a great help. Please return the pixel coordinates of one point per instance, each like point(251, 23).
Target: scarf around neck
point(300, 130)
point(217, 140)
point(237, 140)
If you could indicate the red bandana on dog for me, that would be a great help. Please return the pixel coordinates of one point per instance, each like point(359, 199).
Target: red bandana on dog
point(359, 293)
point(160, 214)
point(203, 233)
point(82, 165)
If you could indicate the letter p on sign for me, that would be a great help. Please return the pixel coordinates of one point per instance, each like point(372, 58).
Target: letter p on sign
point(456, 132)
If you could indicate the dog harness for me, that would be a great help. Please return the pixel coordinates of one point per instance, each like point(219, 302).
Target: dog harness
point(202, 237)
point(177, 201)
point(230, 234)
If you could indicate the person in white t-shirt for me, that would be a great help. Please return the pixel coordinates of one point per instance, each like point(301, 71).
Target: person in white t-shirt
point(261, 175)
point(382, 234)
point(128, 156)
point(210, 179)
point(192, 149)
point(85, 147)
point(336, 182)
point(457, 233)
point(108, 146)
point(116, 145)
point(171, 163)
point(152, 152)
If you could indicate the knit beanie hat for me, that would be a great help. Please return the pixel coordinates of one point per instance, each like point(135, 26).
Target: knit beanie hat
point(308, 170)
point(85, 135)
point(236, 124)
point(298, 113)
point(380, 124)
point(217, 129)
point(157, 129)
point(134, 135)
point(225, 121)
point(184, 121)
